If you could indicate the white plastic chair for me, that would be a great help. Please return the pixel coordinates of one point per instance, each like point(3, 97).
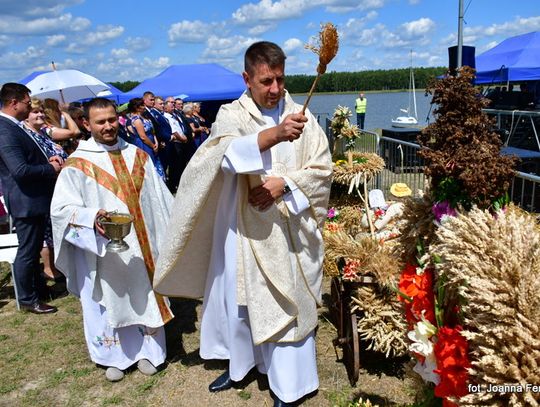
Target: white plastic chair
point(8, 250)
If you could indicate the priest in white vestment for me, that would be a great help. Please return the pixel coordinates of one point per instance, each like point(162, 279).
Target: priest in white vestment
point(123, 317)
point(253, 201)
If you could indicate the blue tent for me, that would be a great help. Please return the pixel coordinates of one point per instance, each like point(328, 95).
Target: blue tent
point(115, 93)
point(201, 82)
point(515, 59)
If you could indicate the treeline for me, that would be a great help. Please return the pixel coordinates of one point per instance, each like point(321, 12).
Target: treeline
point(391, 79)
point(125, 86)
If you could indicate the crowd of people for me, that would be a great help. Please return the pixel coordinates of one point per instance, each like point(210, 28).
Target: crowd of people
point(168, 132)
point(243, 231)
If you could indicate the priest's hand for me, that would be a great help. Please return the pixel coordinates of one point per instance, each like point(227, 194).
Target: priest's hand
point(289, 129)
point(263, 196)
point(102, 213)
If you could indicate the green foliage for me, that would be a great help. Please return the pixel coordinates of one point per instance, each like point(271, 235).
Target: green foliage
point(451, 190)
point(391, 79)
point(125, 86)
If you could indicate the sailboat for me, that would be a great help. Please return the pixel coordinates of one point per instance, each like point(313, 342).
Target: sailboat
point(408, 120)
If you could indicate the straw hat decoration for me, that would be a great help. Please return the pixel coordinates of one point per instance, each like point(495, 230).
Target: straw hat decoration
point(399, 190)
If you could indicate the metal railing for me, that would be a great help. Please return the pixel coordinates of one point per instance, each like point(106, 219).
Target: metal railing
point(523, 191)
point(404, 165)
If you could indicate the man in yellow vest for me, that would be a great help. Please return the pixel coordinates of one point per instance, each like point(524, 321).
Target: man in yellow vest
point(360, 105)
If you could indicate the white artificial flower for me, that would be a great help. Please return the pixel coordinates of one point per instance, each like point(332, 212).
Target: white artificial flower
point(420, 337)
point(426, 370)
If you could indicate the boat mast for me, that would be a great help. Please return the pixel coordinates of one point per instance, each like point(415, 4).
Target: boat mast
point(460, 36)
point(413, 90)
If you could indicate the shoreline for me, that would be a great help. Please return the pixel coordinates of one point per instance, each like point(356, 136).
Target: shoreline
point(349, 92)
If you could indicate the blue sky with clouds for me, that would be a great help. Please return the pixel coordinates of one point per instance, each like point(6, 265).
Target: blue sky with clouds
point(119, 40)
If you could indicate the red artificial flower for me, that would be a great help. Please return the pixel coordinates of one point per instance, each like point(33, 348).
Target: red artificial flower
point(420, 288)
point(350, 269)
point(407, 282)
point(332, 227)
point(451, 353)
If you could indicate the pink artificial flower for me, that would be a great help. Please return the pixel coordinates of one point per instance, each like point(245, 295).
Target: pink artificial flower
point(331, 213)
point(441, 209)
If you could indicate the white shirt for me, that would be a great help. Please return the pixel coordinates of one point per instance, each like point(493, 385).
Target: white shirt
point(175, 126)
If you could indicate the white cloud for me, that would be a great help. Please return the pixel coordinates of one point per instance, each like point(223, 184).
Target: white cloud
point(472, 35)
point(54, 40)
point(483, 48)
point(135, 69)
point(42, 8)
point(354, 27)
point(21, 62)
point(292, 44)
point(363, 37)
point(261, 28)
point(227, 47)
point(120, 53)
point(101, 36)
point(75, 48)
point(43, 25)
point(418, 28)
point(340, 6)
point(187, 31)
point(411, 34)
point(4, 41)
point(138, 43)
point(266, 10)
point(195, 31)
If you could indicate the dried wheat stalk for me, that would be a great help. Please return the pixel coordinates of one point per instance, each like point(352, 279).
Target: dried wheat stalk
point(327, 50)
point(493, 264)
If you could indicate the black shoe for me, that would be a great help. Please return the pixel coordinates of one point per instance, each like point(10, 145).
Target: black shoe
point(223, 382)
point(279, 403)
point(39, 308)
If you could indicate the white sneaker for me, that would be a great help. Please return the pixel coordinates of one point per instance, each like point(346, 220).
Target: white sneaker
point(113, 374)
point(146, 367)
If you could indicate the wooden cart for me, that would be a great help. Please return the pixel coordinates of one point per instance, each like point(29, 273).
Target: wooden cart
point(345, 321)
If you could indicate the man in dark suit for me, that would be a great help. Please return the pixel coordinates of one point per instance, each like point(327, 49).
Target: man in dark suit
point(186, 150)
point(162, 128)
point(28, 178)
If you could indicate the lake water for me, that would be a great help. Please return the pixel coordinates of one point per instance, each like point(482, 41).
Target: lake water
point(382, 107)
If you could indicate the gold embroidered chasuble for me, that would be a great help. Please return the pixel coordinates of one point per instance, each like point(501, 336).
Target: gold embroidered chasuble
point(281, 307)
point(126, 186)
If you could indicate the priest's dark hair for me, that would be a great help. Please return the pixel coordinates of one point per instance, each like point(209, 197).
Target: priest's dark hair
point(97, 103)
point(263, 52)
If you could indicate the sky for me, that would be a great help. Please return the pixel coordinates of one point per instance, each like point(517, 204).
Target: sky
point(117, 40)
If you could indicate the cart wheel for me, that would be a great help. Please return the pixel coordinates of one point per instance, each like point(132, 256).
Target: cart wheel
point(351, 348)
point(336, 305)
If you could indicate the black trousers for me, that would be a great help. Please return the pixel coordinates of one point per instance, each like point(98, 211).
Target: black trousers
point(360, 118)
point(30, 283)
point(182, 153)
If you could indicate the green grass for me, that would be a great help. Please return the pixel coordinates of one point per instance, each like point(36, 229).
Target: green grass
point(111, 401)
point(45, 362)
point(243, 394)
